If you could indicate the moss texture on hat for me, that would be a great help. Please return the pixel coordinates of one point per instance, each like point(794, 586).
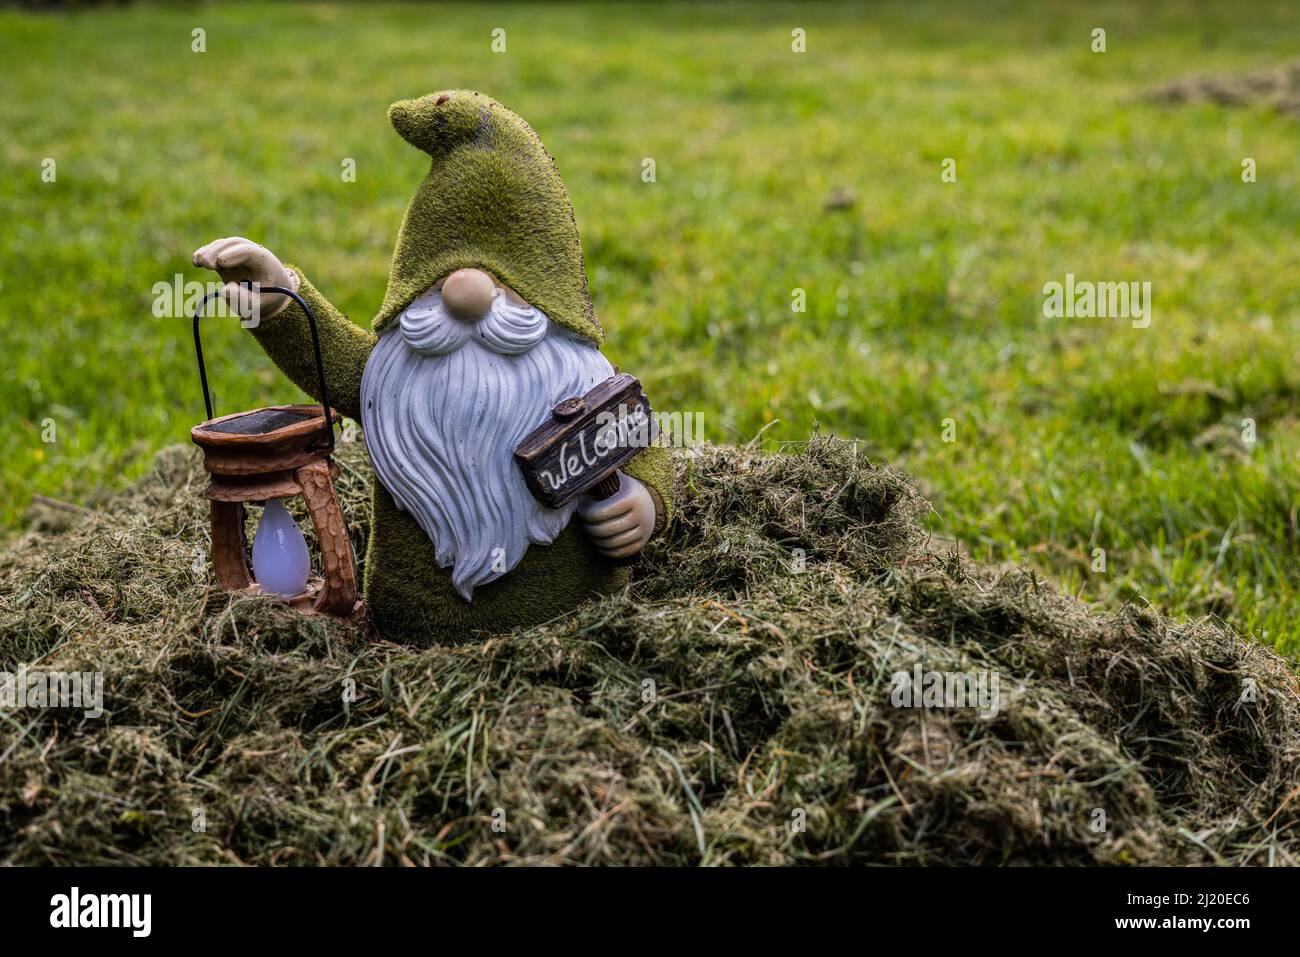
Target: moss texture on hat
point(492, 200)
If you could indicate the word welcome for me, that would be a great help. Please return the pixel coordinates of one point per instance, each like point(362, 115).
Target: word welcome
point(946, 689)
point(630, 428)
point(53, 689)
point(103, 910)
point(1098, 300)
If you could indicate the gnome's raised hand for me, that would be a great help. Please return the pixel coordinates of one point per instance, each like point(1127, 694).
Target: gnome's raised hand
point(238, 260)
point(619, 526)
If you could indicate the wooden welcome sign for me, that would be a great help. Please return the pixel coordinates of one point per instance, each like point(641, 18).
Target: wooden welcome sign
point(586, 441)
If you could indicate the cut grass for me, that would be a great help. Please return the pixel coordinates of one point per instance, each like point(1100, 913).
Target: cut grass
point(924, 298)
point(733, 706)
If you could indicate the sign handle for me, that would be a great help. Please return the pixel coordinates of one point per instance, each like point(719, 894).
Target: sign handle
point(606, 487)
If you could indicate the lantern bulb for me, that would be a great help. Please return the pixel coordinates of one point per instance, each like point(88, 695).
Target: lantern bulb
point(281, 563)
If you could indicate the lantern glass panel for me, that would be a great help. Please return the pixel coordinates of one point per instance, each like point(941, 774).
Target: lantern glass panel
point(281, 563)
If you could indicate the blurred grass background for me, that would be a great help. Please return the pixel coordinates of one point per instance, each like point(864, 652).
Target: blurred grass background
point(775, 171)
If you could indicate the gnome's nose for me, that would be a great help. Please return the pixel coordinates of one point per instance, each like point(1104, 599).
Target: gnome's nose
point(467, 293)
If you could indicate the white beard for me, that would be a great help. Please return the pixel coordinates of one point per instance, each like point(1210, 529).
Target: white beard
point(444, 403)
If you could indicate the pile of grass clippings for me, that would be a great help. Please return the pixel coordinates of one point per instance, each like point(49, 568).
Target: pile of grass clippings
point(1277, 86)
point(733, 706)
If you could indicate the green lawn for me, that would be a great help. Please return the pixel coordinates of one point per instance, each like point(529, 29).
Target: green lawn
point(924, 298)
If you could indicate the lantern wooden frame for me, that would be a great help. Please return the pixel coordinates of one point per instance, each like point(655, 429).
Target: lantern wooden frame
point(277, 452)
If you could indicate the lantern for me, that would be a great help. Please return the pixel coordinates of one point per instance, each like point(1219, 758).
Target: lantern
point(266, 456)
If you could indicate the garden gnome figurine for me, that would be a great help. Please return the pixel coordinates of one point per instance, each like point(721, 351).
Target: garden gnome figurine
point(486, 326)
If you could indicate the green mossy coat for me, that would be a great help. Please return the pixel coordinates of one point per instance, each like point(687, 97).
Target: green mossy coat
point(492, 200)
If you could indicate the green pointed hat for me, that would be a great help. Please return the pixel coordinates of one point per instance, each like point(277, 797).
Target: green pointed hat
point(492, 200)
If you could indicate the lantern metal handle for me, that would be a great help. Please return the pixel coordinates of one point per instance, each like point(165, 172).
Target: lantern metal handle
point(315, 347)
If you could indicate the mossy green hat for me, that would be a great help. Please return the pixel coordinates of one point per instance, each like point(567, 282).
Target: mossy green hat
point(492, 200)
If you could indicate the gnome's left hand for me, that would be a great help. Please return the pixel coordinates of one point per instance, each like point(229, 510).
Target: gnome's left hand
point(619, 526)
